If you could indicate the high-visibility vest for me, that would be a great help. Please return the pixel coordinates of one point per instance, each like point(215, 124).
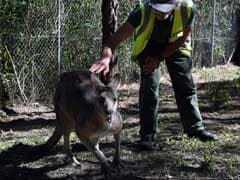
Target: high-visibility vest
point(143, 32)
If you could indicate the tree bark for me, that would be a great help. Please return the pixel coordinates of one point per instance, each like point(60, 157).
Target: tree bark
point(235, 58)
point(109, 26)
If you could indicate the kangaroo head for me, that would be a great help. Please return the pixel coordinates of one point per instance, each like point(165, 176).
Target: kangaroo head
point(108, 97)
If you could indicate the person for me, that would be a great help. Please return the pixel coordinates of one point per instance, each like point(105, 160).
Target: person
point(162, 32)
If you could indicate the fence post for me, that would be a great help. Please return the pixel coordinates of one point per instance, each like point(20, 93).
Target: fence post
point(109, 26)
point(213, 32)
point(59, 39)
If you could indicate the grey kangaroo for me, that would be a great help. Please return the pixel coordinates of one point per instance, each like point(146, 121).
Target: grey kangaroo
point(83, 104)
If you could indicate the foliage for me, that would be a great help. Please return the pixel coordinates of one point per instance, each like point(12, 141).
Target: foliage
point(81, 27)
point(30, 33)
point(224, 32)
point(12, 14)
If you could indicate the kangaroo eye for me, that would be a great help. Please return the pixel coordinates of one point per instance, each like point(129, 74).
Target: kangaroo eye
point(114, 99)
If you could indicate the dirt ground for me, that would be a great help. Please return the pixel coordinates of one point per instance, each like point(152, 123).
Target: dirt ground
point(178, 157)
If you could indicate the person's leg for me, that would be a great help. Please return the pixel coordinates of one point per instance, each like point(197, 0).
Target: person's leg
point(179, 67)
point(148, 104)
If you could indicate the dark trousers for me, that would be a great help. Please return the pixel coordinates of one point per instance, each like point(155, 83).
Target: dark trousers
point(179, 68)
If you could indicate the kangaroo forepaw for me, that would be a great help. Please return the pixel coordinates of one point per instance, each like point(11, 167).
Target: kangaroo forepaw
point(73, 161)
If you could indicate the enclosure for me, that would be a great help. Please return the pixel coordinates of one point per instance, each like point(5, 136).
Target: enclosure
point(40, 39)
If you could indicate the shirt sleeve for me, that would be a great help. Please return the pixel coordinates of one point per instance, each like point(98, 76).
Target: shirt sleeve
point(134, 17)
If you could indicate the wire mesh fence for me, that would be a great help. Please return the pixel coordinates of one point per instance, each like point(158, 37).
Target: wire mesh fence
point(30, 61)
point(33, 68)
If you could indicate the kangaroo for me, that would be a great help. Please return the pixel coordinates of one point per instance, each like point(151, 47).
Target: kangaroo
point(83, 104)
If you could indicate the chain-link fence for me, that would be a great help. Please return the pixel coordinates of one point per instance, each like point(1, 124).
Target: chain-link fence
point(28, 51)
point(63, 35)
point(33, 55)
point(214, 32)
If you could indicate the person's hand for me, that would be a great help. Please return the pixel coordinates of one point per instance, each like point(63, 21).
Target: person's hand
point(150, 64)
point(101, 65)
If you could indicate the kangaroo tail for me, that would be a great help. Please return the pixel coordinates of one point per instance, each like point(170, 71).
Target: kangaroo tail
point(57, 134)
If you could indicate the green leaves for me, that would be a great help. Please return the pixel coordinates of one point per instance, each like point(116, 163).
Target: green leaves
point(12, 14)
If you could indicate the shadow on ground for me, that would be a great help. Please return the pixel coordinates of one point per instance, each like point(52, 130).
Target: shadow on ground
point(27, 162)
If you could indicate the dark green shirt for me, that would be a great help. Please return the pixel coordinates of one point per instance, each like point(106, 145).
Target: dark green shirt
point(161, 31)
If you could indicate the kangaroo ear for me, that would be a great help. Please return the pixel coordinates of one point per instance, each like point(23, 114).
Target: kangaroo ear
point(115, 82)
point(96, 81)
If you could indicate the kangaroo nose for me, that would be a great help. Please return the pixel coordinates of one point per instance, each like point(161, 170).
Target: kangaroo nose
point(107, 108)
point(108, 111)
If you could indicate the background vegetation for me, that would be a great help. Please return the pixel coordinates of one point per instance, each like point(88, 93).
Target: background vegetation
point(28, 41)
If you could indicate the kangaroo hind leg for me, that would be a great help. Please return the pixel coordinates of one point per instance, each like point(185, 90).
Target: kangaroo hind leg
point(67, 148)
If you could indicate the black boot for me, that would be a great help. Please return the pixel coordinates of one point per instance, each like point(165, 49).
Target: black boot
point(203, 135)
point(148, 143)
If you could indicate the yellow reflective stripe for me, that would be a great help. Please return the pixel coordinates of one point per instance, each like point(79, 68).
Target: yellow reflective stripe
point(182, 14)
point(189, 8)
point(188, 48)
point(142, 19)
point(177, 30)
point(144, 31)
point(186, 52)
point(150, 25)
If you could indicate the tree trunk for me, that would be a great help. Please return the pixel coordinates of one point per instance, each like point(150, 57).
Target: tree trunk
point(235, 59)
point(109, 26)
